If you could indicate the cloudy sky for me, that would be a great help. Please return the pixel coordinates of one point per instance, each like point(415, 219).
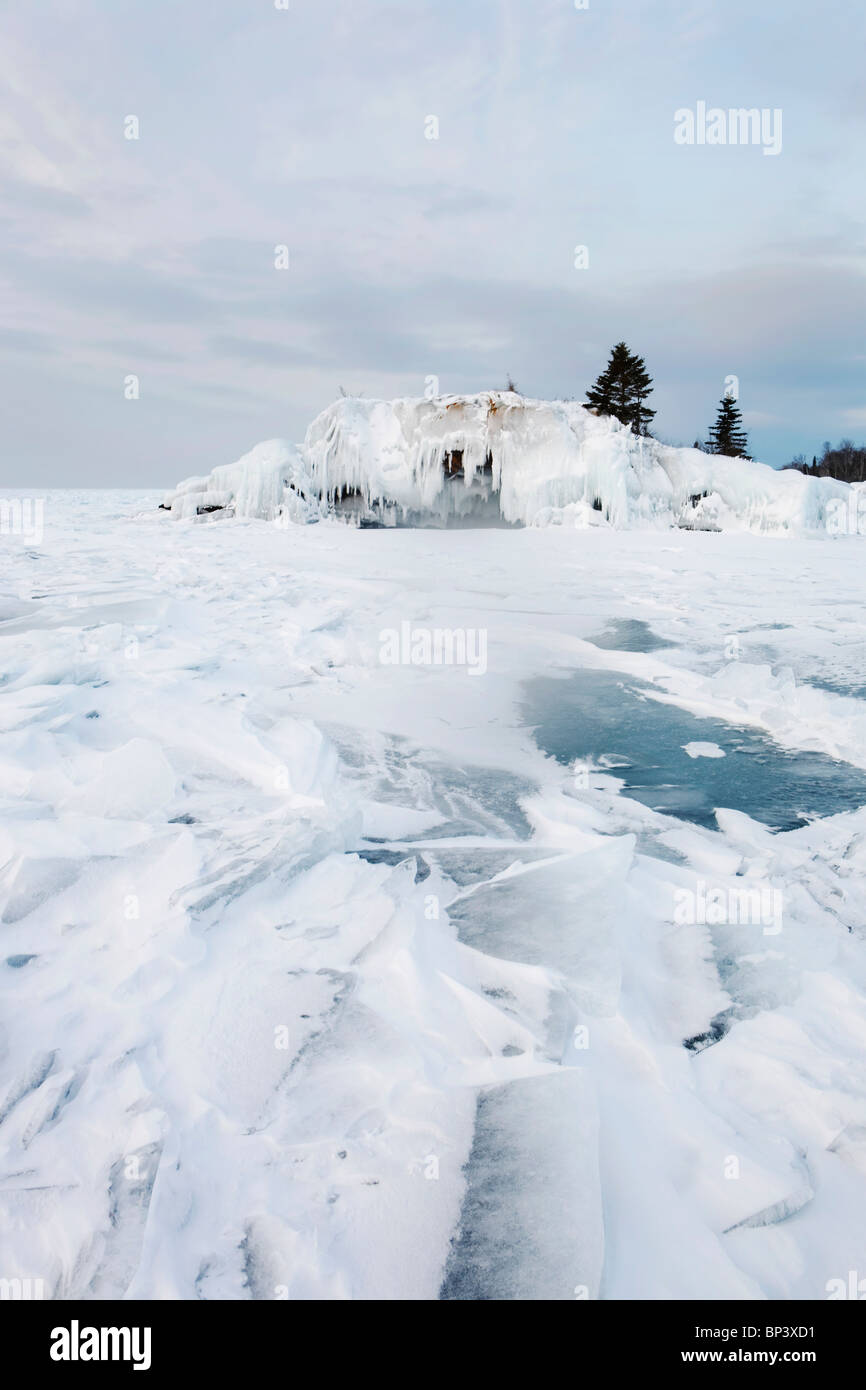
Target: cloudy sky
point(411, 257)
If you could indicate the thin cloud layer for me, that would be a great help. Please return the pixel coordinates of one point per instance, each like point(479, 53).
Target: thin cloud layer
point(406, 256)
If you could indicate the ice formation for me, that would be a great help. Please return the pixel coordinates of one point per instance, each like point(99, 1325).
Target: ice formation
point(322, 979)
point(500, 458)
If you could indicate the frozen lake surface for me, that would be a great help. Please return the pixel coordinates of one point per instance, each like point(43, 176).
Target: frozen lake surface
point(327, 977)
point(597, 716)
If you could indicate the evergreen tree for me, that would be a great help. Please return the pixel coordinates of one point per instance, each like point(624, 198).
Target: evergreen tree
point(622, 389)
point(727, 435)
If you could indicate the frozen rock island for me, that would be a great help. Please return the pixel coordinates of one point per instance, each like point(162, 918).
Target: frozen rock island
point(496, 459)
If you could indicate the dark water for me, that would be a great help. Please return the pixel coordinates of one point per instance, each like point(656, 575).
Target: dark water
point(629, 635)
point(851, 690)
point(601, 715)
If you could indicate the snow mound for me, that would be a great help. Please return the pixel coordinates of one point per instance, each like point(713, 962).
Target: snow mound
point(500, 458)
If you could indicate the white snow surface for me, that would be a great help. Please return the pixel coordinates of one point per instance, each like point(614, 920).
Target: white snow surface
point(290, 935)
point(697, 749)
point(551, 463)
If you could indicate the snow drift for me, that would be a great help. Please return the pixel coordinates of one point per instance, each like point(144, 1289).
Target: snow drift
point(500, 458)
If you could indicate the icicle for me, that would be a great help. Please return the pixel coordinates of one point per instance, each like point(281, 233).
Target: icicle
point(549, 461)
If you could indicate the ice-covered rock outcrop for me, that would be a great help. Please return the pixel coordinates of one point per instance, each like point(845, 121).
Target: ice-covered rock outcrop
point(498, 457)
point(265, 483)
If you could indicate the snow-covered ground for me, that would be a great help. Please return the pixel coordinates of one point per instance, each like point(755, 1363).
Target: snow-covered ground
point(321, 980)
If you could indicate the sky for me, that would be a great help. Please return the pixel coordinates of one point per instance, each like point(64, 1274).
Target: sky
point(153, 330)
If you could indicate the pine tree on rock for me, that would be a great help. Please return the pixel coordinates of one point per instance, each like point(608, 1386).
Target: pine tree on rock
point(727, 435)
point(622, 389)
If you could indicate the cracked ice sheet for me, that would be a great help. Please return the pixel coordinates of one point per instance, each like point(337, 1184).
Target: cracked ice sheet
point(239, 1060)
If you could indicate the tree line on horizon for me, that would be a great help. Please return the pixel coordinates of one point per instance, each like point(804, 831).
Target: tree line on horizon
point(847, 462)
